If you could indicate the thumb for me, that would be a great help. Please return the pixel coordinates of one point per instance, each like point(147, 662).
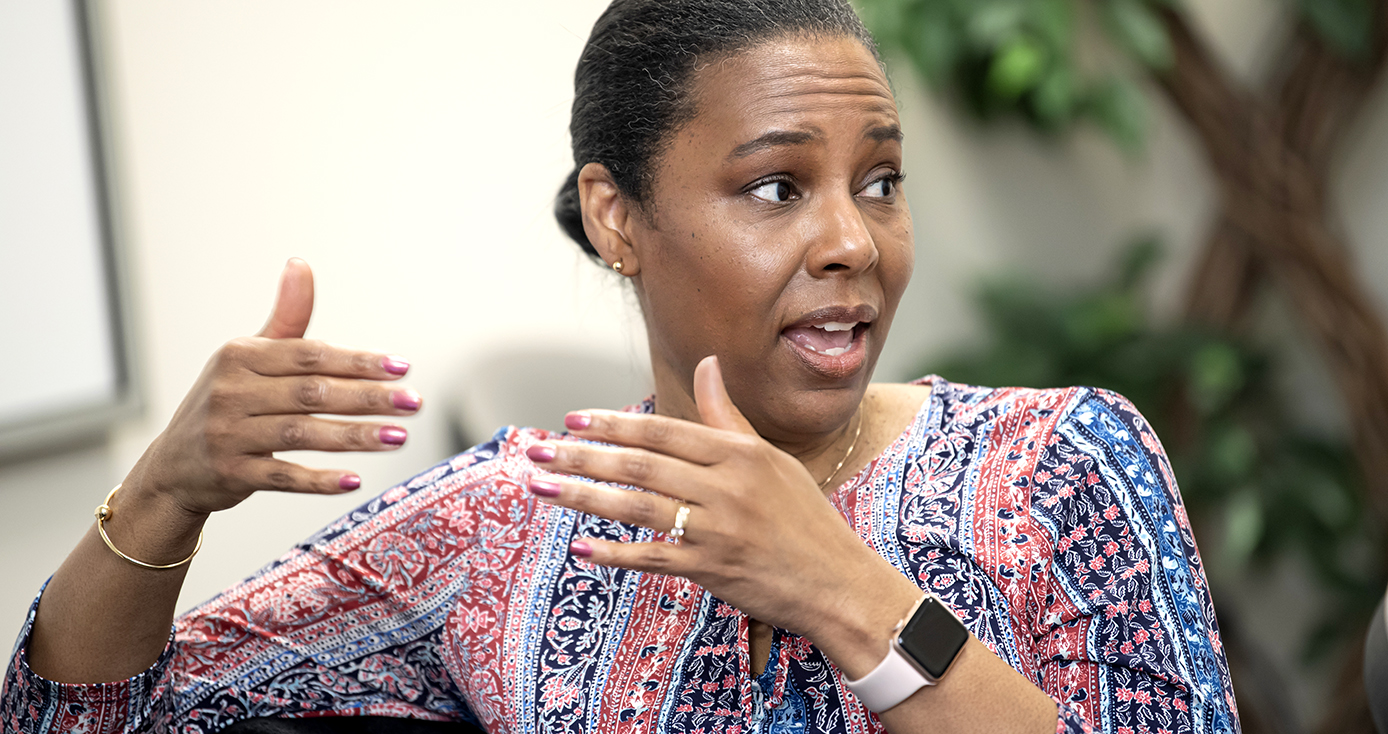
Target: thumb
point(716, 409)
point(293, 302)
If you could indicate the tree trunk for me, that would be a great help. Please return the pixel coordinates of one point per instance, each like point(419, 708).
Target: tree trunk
point(1271, 154)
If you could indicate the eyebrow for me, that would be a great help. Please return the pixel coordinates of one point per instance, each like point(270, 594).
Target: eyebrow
point(772, 139)
point(776, 138)
point(885, 133)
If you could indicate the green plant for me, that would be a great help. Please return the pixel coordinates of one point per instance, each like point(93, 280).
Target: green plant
point(1020, 57)
point(1270, 145)
point(1266, 488)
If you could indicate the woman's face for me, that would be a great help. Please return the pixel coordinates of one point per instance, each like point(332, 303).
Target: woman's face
point(776, 235)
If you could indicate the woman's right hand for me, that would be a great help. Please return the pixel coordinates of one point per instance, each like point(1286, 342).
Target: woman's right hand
point(103, 619)
point(257, 396)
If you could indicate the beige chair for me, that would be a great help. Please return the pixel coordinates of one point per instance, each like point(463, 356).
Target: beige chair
point(535, 386)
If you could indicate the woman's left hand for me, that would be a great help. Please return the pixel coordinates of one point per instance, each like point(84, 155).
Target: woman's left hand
point(759, 533)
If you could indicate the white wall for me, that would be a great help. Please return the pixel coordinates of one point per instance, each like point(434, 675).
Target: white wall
point(410, 152)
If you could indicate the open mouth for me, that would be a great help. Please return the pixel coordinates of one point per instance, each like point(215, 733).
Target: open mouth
point(832, 341)
point(830, 338)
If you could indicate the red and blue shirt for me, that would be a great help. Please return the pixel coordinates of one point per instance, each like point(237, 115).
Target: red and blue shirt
point(1048, 520)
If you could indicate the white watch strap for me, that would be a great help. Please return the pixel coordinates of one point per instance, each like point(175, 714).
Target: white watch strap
point(891, 682)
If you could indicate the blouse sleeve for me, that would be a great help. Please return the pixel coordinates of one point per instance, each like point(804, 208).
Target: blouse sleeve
point(346, 623)
point(1124, 624)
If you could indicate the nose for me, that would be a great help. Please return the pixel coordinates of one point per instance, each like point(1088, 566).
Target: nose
point(842, 243)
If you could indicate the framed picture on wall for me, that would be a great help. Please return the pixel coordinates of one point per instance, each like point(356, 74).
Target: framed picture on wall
point(66, 355)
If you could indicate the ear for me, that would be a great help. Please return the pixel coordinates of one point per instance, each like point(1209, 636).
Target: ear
point(607, 217)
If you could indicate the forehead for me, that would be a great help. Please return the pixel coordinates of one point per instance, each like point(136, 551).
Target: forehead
point(792, 82)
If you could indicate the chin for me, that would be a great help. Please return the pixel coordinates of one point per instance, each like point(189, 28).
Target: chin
point(787, 401)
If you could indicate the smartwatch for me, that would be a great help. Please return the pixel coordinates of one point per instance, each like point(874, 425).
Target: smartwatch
point(924, 646)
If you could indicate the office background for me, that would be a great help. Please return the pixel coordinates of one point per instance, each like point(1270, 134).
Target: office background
point(410, 152)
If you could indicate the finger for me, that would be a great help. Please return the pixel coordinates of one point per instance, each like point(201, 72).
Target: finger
point(282, 357)
point(293, 302)
point(638, 467)
point(318, 394)
point(716, 409)
point(282, 476)
point(647, 510)
point(272, 433)
point(670, 436)
point(663, 558)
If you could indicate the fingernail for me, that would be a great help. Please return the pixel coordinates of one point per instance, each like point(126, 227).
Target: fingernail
point(395, 365)
point(405, 399)
point(581, 548)
point(392, 435)
point(578, 420)
point(544, 487)
point(349, 481)
point(541, 452)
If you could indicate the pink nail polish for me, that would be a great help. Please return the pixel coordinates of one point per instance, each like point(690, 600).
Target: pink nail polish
point(581, 548)
point(544, 487)
point(349, 481)
point(392, 435)
point(541, 452)
point(578, 420)
point(395, 365)
point(405, 399)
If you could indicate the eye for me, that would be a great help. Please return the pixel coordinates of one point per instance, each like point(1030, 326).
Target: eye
point(884, 187)
point(776, 191)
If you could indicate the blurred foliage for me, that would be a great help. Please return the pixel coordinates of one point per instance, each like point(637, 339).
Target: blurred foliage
point(1346, 25)
point(1250, 477)
point(1019, 57)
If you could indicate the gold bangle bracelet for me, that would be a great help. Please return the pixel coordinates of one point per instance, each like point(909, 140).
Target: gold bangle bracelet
point(103, 513)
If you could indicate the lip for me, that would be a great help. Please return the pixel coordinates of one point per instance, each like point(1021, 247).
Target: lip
point(842, 366)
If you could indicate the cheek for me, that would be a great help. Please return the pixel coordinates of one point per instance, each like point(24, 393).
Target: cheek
point(904, 260)
point(897, 255)
point(718, 268)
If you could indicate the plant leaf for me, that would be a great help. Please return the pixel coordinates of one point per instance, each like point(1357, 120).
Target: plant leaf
point(1216, 375)
point(1346, 25)
point(1053, 21)
point(1120, 109)
point(993, 23)
point(932, 39)
point(1139, 31)
point(885, 19)
point(1138, 259)
point(1056, 98)
point(1243, 526)
point(1016, 68)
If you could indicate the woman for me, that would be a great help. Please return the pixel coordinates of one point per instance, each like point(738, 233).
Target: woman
point(747, 551)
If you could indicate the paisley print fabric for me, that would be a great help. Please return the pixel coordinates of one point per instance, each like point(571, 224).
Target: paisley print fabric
point(1049, 520)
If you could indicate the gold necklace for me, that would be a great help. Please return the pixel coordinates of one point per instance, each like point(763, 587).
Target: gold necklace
point(843, 461)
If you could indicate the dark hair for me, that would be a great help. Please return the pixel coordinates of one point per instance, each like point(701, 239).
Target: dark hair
point(631, 84)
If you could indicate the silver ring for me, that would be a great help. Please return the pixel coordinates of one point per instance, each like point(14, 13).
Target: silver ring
point(681, 516)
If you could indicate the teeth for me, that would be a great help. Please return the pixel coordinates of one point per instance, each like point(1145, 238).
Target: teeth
point(835, 326)
point(836, 351)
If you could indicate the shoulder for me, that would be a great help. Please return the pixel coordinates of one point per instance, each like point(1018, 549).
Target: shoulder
point(1048, 407)
point(1032, 410)
point(1032, 436)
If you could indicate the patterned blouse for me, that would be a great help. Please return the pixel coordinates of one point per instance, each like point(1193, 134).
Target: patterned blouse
point(1048, 520)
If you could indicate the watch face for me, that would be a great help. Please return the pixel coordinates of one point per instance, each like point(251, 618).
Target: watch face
point(933, 636)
